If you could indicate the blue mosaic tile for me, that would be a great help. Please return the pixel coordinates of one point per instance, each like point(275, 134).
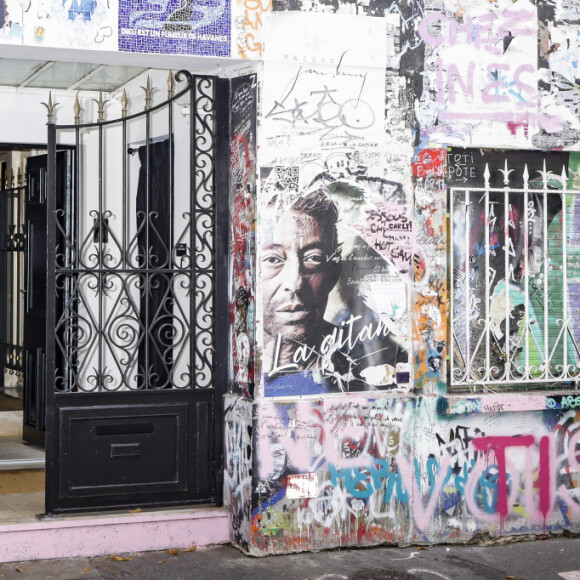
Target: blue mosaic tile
point(197, 27)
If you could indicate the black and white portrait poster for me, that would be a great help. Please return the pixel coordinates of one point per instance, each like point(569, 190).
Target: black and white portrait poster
point(336, 231)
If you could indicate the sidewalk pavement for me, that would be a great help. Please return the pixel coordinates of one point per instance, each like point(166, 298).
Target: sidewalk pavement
point(554, 558)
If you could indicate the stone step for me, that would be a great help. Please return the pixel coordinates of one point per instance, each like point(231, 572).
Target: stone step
point(113, 533)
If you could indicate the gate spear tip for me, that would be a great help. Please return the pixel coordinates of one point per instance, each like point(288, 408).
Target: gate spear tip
point(50, 107)
point(77, 109)
point(124, 103)
point(101, 105)
point(148, 92)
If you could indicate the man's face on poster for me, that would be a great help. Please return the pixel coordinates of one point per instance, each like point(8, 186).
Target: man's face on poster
point(297, 274)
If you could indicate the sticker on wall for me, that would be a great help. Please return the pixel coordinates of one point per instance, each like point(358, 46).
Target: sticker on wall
point(200, 27)
point(302, 485)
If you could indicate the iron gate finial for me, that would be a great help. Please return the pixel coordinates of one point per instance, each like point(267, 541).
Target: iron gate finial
point(101, 104)
point(77, 109)
point(149, 90)
point(50, 107)
point(124, 103)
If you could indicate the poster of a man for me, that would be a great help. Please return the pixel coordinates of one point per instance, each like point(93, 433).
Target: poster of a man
point(301, 263)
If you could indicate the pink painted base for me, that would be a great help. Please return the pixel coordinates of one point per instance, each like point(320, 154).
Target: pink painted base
point(102, 535)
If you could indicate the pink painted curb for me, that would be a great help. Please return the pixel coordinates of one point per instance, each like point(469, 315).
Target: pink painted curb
point(103, 535)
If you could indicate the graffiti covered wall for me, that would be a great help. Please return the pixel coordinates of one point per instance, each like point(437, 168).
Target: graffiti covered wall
point(416, 255)
point(238, 466)
point(243, 223)
point(362, 471)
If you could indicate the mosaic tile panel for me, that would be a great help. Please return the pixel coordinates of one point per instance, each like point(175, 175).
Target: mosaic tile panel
point(197, 27)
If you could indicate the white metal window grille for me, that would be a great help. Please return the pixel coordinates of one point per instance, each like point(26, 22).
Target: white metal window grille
point(515, 288)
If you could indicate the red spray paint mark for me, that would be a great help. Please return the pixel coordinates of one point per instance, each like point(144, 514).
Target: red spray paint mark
point(498, 445)
point(513, 127)
point(361, 533)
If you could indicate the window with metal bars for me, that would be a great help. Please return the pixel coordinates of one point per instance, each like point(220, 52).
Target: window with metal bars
point(514, 270)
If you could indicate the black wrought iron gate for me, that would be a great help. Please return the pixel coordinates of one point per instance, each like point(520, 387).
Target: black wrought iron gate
point(12, 253)
point(134, 366)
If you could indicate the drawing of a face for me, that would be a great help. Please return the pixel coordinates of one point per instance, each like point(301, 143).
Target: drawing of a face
point(352, 447)
point(243, 349)
point(434, 363)
point(296, 275)
point(243, 357)
point(393, 438)
point(278, 461)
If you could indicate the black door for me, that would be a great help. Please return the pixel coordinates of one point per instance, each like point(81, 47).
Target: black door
point(35, 280)
point(136, 356)
point(12, 246)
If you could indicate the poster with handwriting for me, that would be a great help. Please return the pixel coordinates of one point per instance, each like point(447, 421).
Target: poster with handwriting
point(336, 247)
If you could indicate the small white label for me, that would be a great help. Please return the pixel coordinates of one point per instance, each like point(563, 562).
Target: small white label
point(302, 485)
